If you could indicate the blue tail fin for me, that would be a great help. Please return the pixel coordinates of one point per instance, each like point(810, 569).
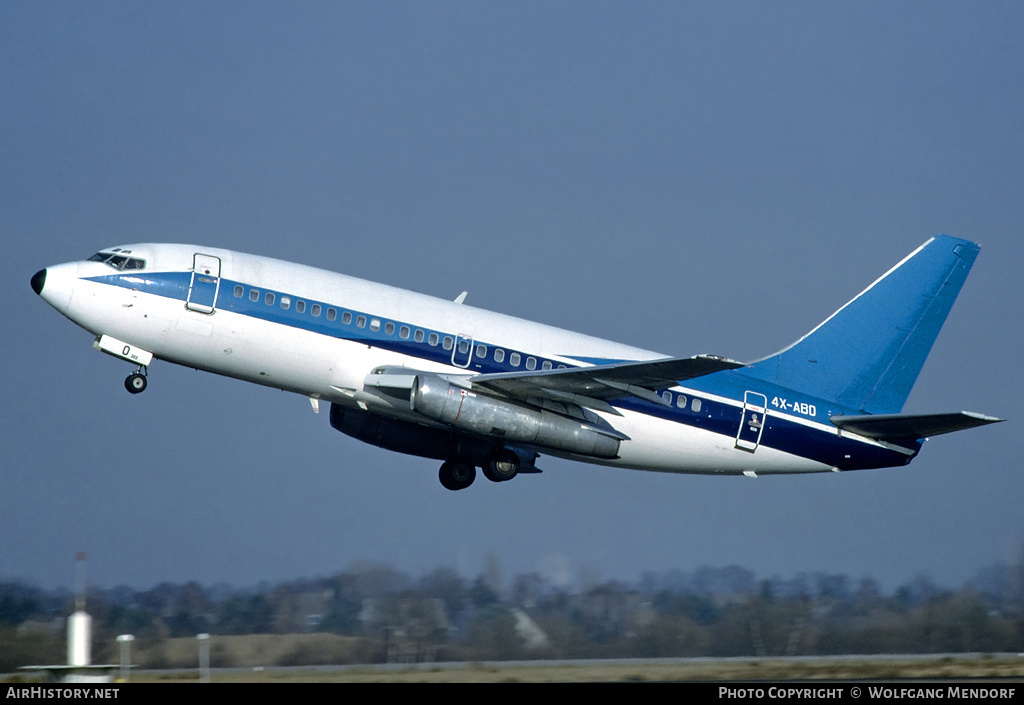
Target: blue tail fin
point(868, 354)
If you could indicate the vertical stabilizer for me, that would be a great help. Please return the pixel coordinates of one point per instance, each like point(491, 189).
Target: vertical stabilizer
point(868, 354)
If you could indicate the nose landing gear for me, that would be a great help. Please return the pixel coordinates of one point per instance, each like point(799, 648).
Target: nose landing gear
point(136, 381)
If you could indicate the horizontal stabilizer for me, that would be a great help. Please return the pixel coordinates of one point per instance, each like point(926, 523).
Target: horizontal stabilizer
point(897, 426)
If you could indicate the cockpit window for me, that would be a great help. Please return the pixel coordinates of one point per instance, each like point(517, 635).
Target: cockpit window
point(119, 259)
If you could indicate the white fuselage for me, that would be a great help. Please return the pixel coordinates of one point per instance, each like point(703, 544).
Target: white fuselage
point(248, 326)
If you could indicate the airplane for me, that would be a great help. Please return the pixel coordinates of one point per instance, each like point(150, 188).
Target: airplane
point(440, 379)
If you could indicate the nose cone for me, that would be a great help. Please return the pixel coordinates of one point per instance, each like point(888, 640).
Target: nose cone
point(56, 284)
point(39, 281)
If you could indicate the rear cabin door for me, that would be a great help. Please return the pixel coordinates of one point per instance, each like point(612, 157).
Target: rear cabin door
point(755, 407)
point(205, 284)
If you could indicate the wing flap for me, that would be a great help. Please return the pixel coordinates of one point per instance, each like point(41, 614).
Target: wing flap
point(903, 426)
point(594, 386)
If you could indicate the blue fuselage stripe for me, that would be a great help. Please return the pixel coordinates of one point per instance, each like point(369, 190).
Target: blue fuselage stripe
point(781, 431)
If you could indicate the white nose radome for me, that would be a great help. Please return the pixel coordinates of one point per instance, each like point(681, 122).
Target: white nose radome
point(56, 284)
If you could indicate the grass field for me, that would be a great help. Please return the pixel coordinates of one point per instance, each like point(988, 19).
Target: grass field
point(987, 668)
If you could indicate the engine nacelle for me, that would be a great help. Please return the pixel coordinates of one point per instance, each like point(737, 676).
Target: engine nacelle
point(408, 437)
point(438, 399)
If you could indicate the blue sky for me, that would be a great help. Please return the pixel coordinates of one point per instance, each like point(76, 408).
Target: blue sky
point(686, 177)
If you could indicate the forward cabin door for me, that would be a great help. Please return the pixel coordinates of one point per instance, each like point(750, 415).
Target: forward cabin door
point(205, 284)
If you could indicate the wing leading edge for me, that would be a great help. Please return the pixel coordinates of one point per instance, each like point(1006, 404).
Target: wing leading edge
point(596, 385)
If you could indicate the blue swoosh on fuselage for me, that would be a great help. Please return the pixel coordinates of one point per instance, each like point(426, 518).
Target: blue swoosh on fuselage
point(780, 432)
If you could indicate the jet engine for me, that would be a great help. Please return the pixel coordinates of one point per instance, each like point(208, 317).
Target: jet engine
point(439, 399)
point(409, 437)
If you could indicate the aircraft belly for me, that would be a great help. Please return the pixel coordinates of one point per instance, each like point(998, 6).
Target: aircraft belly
point(661, 445)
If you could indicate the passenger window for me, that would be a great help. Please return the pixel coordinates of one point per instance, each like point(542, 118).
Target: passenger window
point(314, 310)
point(375, 324)
point(432, 340)
point(448, 342)
point(286, 302)
point(389, 328)
point(300, 306)
point(499, 355)
point(418, 336)
point(331, 314)
point(562, 367)
point(403, 332)
point(546, 365)
point(360, 321)
point(239, 290)
point(254, 295)
point(681, 401)
point(531, 363)
point(346, 317)
point(666, 397)
point(463, 346)
point(269, 298)
point(481, 351)
point(695, 405)
point(513, 359)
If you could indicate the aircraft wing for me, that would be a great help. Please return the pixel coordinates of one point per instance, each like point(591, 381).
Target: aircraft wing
point(897, 426)
point(596, 385)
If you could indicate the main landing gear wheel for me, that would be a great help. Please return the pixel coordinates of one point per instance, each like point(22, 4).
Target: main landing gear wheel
point(135, 382)
point(502, 465)
point(456, 475)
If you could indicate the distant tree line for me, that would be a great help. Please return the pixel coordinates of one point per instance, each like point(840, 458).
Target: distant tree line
point(386, 615)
